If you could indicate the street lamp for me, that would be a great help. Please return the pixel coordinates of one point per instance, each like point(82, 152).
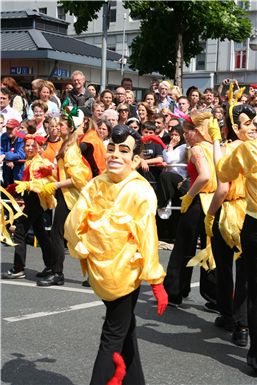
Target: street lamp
point(253, 41)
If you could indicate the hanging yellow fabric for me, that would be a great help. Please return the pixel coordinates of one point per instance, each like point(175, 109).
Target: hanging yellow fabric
point(4, 234)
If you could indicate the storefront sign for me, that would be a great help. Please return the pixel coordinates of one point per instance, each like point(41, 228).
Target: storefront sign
point(60, 73)
point(21, 70)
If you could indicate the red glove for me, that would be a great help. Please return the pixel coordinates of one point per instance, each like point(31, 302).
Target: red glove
point(161, 297)
point(42, 172)
point(120, 370)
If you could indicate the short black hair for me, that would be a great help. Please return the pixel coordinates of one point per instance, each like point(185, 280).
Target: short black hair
point(192, 88)
point(208, 90)
point(149, 126)
point(236, 112)
point(126, 80)
point(243, 109)
point(179, 129)
point(6, 91)
point(120, 132)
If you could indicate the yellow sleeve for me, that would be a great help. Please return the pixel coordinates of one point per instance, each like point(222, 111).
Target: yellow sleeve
point(76, 170)
point(229, 166)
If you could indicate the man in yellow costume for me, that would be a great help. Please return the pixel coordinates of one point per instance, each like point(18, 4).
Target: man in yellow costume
point(243, 161)
point(112, 230)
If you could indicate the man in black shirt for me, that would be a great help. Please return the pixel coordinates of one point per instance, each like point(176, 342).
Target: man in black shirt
point(151, 155)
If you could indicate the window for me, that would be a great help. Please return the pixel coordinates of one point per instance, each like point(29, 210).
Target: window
point(112, 11)
point(201, 59)
point(240, 54)
point(42, 10)
point(61, 13)
point(244, 4)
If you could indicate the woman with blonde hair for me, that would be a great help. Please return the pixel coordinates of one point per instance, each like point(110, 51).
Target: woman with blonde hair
point(92, 147)
point(175, 93)
point(72, 175)
point(45, 92)
point(53, 142)
point(130, 97)
point(54, 97)
point(194, 205)
point(123, 111)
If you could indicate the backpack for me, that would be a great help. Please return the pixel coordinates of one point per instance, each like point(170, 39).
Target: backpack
point(24, 114)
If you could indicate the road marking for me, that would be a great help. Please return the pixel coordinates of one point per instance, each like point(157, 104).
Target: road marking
point(64, 288)
point(46, 314)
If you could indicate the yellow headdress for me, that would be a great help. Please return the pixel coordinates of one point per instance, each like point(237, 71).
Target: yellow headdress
point(233, 99)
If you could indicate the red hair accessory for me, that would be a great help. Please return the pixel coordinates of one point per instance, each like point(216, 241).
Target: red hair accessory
point(153, 138)
point(254, 86)
point(12, 123)
point(39, 139)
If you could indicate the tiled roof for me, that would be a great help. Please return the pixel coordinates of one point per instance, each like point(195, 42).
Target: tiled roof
point(77, 47)
point(37, 40)
point(17, 41)
point(29, 13)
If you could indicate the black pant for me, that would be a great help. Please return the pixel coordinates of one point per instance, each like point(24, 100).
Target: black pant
point(57, 233)
point(249, 246)
point(178, 278)
point(34, 218)
point(168, 187)
point(152, 176)
point(231, 300)
point(119, 335)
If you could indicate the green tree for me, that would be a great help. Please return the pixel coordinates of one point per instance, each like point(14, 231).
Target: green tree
point(85, 11)
point(172, 31)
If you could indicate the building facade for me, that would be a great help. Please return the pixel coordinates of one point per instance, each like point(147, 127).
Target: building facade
point(219, 59)
point(37, 44)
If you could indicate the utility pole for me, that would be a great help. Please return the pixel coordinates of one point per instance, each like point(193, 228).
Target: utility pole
point(104, 45)
point(123, 44)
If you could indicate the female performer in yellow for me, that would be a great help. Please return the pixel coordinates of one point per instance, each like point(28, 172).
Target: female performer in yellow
point(223, 224)
point(72, 175)
point(193, 209)
point(243, 160)
point(35, 204)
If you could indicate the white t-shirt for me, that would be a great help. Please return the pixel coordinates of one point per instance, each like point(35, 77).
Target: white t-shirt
point(178, 155)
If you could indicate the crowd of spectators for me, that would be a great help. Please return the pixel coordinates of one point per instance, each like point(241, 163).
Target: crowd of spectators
point(68, 131)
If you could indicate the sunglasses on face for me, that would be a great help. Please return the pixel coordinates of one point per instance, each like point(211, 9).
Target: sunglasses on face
point(124, 110)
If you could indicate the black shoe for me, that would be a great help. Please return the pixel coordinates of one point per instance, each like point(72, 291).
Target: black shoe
point(211, 307)
point(53, 279)
point(224, 322)
point(174, 302)
point(86, 283)
point(44, 273)
point(13, 274)
point(240, 336)
point(252, 361)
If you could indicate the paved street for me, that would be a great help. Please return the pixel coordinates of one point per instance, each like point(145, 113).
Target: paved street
point(50, 336)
